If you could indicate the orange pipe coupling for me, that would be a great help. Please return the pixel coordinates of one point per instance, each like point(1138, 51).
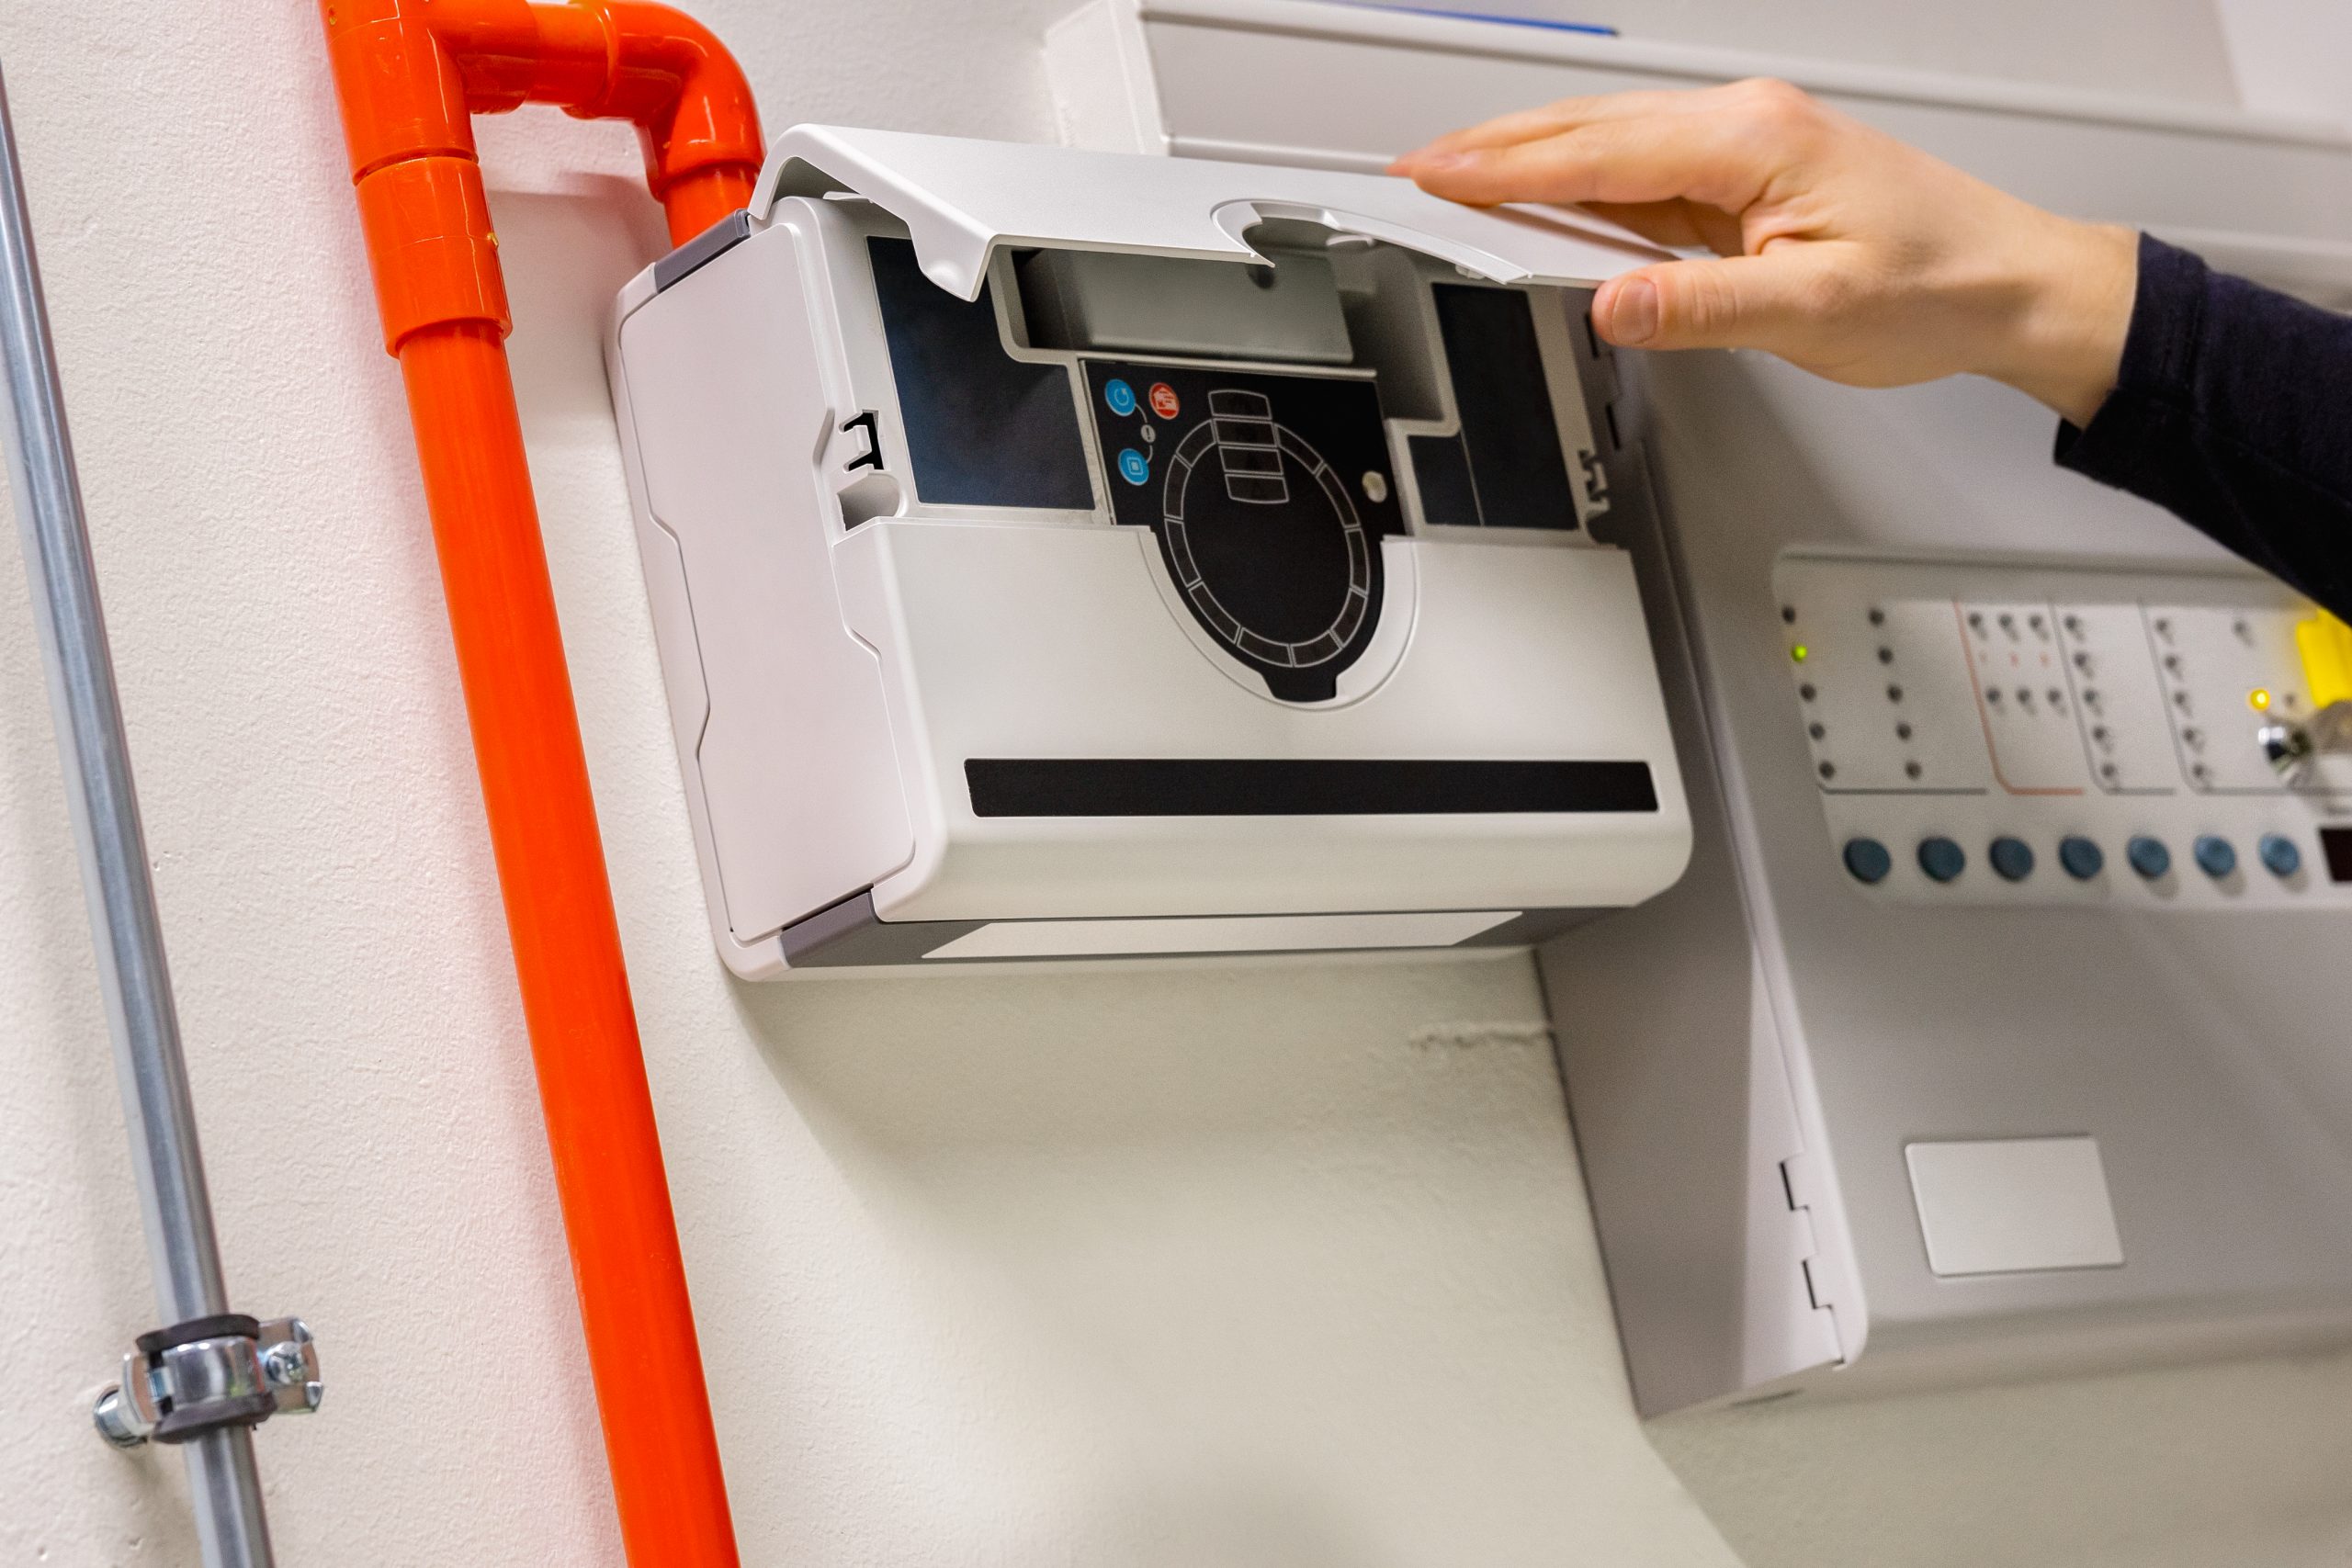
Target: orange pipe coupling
point(411, 74)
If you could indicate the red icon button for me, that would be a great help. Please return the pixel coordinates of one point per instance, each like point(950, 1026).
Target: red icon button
point(1163, 400)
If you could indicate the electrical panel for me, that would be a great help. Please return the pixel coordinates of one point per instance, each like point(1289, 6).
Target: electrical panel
point(1996, 1028)
point(1060, 555)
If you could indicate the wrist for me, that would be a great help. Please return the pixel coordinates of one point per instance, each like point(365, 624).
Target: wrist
point(2076, 311)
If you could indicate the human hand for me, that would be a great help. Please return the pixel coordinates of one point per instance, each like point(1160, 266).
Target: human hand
point(1841, 250)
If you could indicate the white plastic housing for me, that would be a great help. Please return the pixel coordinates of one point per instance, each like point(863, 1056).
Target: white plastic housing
point(837, 650)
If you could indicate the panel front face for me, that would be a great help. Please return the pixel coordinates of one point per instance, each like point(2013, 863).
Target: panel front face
point(1983, 733)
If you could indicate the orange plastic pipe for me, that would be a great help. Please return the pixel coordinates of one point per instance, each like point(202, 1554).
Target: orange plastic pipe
point(411, 74)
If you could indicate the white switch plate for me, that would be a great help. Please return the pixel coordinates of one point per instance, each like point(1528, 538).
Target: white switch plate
point(2010, 1205)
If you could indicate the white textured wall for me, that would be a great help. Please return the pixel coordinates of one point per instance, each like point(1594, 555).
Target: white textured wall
point(1204, 1266)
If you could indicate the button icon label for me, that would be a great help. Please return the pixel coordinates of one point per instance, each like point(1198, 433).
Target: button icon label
point(1134, 466)
point(1163, 400)
point(1119, 396)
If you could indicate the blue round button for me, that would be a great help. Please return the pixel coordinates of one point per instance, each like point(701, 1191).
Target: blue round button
point(2280, 854)
point(1120, 396)
point(1134, 466)
point(2148, 856)
point(2081, 857)
point(2013, 858)
point(1868, 859)
point(2215, 855)
point(1942, 858)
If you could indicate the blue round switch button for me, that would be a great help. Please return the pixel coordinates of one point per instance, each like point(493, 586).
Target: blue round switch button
point(2280, 854)
point(1119, 396)
point(2082, 857)
point(2013, 858)
point(1868, 859)
point(1134, 466)
point(2216, 857)
point(2148, 856)
point(1942, 858)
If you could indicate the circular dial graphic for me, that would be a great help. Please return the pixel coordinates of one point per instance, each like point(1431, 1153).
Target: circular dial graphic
point(1263, 538)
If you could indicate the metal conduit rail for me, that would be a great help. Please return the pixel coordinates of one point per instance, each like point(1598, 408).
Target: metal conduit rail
point(210, 1376)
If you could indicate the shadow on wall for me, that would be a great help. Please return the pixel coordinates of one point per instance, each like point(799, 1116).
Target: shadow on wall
point(1112, 1100)
point(1269, 1229)
point(603, 230)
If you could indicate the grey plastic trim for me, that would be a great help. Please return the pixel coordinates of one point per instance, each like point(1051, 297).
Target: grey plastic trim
point(703, 249)
point(850, 935)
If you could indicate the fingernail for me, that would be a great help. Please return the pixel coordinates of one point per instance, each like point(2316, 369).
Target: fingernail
point(1633, 314)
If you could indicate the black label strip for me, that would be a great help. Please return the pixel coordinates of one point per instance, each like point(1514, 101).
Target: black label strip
point(1003, 786)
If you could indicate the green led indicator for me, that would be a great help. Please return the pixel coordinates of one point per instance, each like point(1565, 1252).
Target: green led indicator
point(1800, 652)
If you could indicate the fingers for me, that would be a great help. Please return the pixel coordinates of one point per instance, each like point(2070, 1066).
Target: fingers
point(1783, 301)
point(1530, 125)
point(1719, 147)
point(1755, 97)
point(1717, 159)
point(1676, 225)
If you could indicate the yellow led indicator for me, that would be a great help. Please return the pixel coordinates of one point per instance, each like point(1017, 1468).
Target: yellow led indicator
point(2260, 699)
point(1800, 652)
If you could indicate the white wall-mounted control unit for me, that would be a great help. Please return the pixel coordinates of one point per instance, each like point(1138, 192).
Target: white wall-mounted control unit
point(1060, 555)
point(2002, 1022)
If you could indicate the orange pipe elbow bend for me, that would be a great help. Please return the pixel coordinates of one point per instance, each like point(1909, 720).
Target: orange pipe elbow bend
point(410, 75)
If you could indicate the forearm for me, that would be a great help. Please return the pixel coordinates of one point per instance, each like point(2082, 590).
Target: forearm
point(2232, 409)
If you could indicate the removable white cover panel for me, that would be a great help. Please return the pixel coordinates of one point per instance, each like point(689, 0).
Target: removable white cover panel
point(2008, 1206)
point(960, 198)
point(1221, 933)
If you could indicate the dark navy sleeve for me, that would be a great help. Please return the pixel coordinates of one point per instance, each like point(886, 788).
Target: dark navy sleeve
point(2234, 410)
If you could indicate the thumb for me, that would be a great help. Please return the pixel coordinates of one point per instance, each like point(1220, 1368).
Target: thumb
point(1729, 302)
